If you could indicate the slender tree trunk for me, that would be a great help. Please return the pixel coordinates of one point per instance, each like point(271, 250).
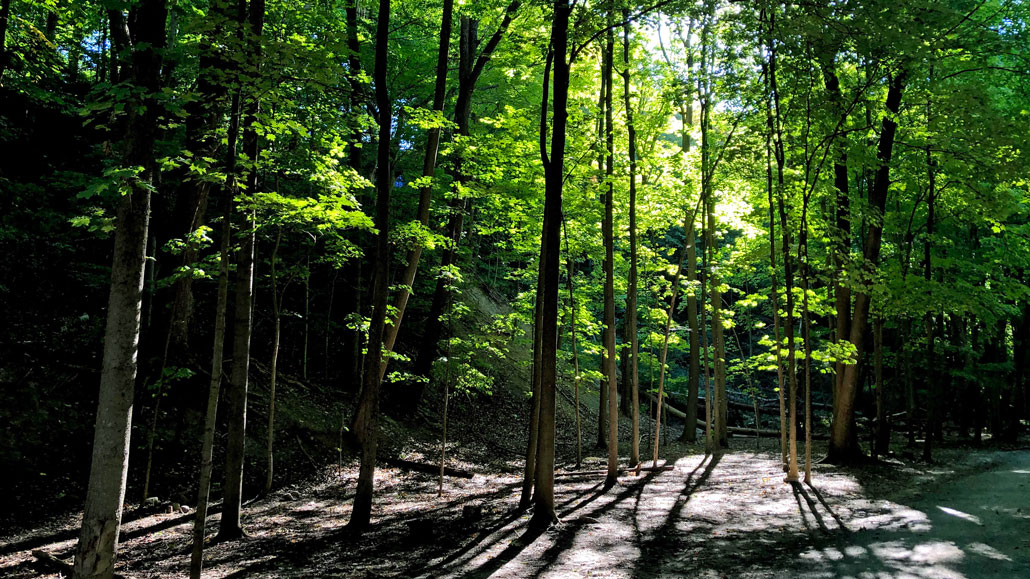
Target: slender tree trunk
point(529, 474)
point(221, 308)
point(931, 368)
point(575, 345)
point(554, 176)
point(274, 367)
point(307, 317)
point(688, 225)
point(101, 519)
point(882, 444)
point(361, 515)
point(774, 293)
point(470, 68)
point(232, 503)
point(425, 192)
point(608, 354)
point(631, 293)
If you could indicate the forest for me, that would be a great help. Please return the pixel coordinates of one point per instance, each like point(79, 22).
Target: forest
point(514, 288)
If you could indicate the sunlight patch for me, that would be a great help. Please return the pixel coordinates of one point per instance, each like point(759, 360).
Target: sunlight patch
point(988, 551)
point(961, 515)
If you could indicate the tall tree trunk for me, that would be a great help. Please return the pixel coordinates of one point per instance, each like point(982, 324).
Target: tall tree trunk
point(575, 345)
point(775, 122)
point(931, 368)
point(720, 408)
point(232, 503)
point(101, 519)
point(843, 439)
point(529, 475)
point(607, 233)
point(631, 293)
point(273, 369)
point(774, 290)
point(554, 177)
point(221, 308)
point(881, 446)
point(361, 515)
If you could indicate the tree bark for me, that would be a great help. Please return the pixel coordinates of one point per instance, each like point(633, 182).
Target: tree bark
point(470, 68)
point(843, 438)
point(631, 293)
point(554, 177)
point(232, 503)
point(608, 354)
point(101, 519)
point(361, 515)
point(221, 307)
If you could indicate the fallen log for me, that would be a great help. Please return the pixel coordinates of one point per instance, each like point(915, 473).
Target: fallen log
point(427, 468)
point(767, 433)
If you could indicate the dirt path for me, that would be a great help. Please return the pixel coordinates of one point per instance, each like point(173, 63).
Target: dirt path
point(975, 526)
point(728, 516)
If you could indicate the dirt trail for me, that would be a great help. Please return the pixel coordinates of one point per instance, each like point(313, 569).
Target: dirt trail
point(727, 516)
point(975, 526)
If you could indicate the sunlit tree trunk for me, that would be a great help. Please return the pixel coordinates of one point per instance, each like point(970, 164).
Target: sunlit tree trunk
point(101, 518)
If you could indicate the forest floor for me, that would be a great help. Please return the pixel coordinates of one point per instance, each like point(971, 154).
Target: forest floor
point(966, 515)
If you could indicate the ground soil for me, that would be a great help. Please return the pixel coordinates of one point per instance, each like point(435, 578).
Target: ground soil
point(730, 515)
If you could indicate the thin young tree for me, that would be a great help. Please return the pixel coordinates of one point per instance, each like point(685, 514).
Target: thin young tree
point(631, 293)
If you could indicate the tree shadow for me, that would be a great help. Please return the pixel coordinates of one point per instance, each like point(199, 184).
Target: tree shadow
point(663, 536)
point(35, 542)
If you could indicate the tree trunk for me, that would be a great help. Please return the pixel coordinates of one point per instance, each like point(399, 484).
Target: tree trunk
point(273, 367)
point(575, 344)
point(529, 474)
point(232, 503)
point(608, 354)
point(361, 515)
point(470, 68)
point(425, 192)
point(631, 293)
point(101, 519)
point(554, 176)
point(881, 446)
point(843, 439)
point(221, 307)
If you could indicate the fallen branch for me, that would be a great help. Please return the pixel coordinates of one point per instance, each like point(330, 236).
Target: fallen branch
point(427, 468)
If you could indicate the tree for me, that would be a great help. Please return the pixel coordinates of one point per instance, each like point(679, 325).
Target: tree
point(369, 403)
point(101, 519)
